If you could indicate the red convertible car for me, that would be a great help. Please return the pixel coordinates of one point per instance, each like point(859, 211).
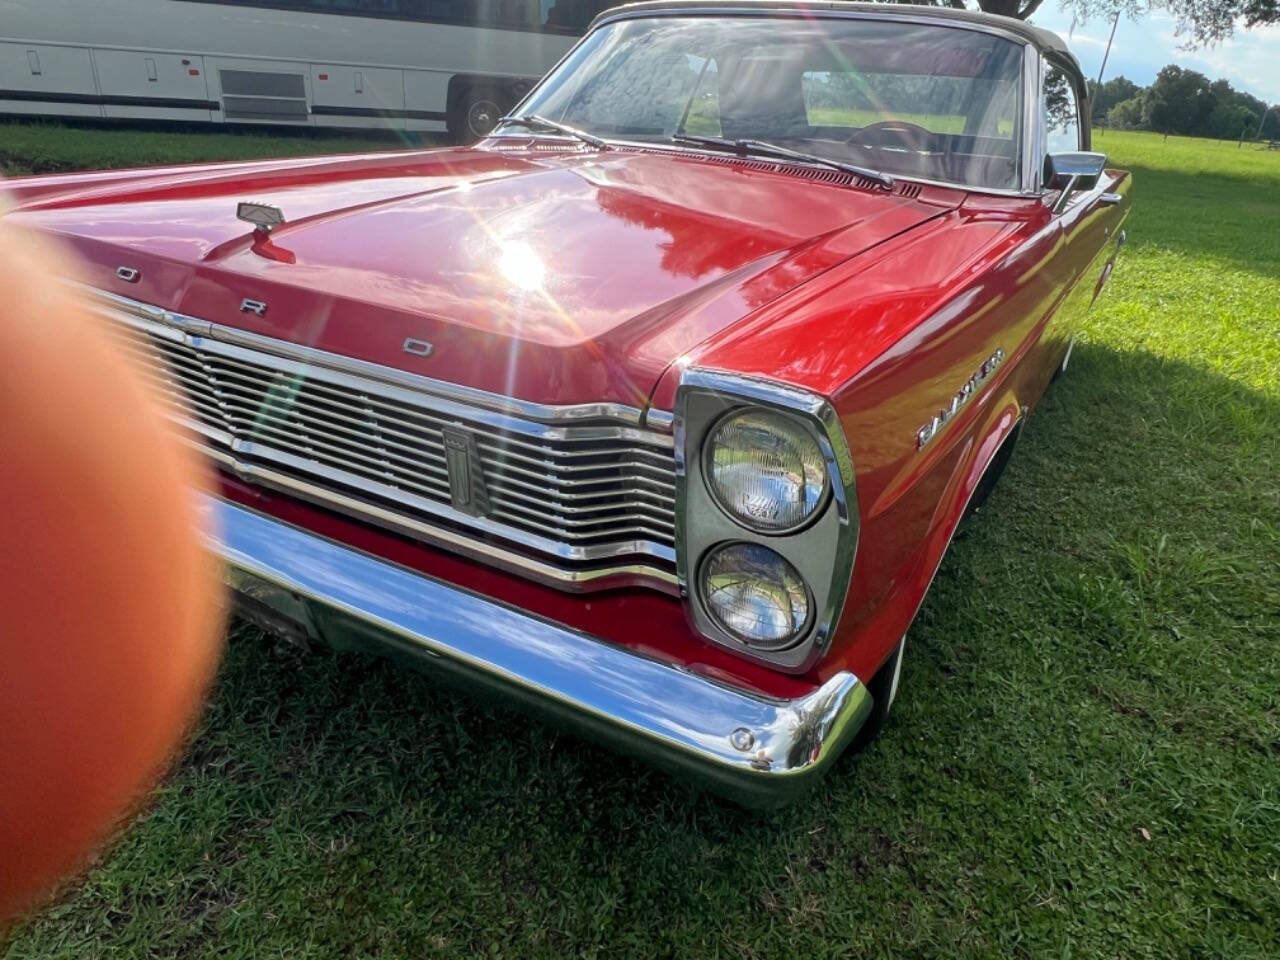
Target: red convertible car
point(655, 410)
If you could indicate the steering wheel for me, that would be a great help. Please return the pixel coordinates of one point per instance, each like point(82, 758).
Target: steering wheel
point(911, 135)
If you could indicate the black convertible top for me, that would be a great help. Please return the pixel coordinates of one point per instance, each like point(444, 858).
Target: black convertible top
point(1044, 40)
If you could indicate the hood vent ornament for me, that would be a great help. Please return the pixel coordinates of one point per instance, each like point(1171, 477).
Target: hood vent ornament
point(263, 216)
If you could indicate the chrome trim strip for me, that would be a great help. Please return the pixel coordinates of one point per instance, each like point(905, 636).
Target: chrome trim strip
point(597, 578)
point(663, 420)
point(700, 524)
point(470, 396)
point(1033, 134)
point(755, 750)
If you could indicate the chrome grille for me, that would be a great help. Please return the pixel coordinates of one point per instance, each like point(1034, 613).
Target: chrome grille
point(584, 504)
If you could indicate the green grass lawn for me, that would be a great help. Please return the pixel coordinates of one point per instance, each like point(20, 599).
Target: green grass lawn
point(39, 147)
point(1084, 761)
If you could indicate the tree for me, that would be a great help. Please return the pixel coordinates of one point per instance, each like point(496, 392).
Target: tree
point(1021, 9)
point(1186, 102)
point(1229, 116)
point(1103, 98)
point(1180, 101)
point(1127, 115)
point(1018, 9)
point(1204, 22)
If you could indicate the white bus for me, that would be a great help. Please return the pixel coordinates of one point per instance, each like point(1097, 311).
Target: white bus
point(412, 64)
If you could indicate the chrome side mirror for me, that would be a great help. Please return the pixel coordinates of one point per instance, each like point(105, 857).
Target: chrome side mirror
point(1070, 172)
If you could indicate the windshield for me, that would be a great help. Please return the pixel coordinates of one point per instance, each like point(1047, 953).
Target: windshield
point(930, 102)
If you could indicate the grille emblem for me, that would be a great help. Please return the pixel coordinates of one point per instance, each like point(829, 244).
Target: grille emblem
point(467, 489)
point(256, 307)
point(419, 348)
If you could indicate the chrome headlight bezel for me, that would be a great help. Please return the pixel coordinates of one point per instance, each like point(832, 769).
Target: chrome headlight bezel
point(821, 549)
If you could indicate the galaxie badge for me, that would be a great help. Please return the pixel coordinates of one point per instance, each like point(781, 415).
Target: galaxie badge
point(959, 399)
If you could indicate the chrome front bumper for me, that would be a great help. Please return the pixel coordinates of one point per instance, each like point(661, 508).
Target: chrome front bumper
point(755, 750)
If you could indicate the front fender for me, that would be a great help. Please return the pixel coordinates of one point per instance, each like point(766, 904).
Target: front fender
point(972, 453)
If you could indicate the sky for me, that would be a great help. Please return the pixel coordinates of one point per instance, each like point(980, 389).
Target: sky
point(1250, 59)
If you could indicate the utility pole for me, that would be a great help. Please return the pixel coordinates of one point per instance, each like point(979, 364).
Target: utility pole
point(1107, 54)
point(1258, 133)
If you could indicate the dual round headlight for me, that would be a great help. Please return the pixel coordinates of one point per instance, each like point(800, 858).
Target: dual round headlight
point(766, 470)
point(755, 595)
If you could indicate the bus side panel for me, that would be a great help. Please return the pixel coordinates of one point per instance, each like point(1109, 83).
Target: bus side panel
point(261, 91)
point(175, 84)
point(357, 96)
point(30, 71)
point(426, 92)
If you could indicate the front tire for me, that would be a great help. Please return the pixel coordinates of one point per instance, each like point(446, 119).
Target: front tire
point(883, 688)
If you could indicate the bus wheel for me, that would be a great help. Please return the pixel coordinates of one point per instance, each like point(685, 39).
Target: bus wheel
point(475, 112)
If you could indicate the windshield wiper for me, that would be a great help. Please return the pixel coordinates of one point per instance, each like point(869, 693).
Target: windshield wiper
point(764, 149)
point(533, 121)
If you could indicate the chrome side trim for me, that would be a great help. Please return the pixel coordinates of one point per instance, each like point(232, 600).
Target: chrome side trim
point(755, 750)
point(1032, 147)
point(471, 396)
point(823, 550)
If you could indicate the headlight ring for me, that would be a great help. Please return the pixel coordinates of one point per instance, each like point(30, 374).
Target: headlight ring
point(765, 470)
point(755, 595)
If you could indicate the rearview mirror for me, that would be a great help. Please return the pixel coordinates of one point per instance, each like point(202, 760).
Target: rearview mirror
point(1070, 172)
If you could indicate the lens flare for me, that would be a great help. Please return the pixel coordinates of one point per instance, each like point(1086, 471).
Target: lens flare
point(521, 266)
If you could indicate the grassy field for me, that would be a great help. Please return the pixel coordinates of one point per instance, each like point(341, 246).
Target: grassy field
point(54, 147)
point(1084, 762)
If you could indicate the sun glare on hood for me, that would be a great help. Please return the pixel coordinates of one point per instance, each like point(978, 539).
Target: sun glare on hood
point(521, 266)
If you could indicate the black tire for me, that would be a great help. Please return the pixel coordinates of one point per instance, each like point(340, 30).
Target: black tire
point(883, 688)
point(475, 111)
point(995, 468)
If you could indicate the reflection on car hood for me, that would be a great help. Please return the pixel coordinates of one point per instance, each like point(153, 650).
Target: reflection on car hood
point(554, 275)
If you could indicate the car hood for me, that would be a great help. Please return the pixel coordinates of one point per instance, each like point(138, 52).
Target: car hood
point(556, 276)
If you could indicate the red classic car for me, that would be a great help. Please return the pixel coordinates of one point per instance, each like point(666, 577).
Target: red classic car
point(655, 410)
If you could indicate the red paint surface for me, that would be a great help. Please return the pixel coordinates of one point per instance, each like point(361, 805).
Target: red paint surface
point(644, 263)
point(558, 279)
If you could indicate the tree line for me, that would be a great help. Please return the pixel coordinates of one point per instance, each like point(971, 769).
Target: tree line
point(1184, 102)
point(1201, 22)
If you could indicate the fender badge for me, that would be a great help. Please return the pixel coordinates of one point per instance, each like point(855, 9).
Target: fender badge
point(256, 307)
point(959, 399)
